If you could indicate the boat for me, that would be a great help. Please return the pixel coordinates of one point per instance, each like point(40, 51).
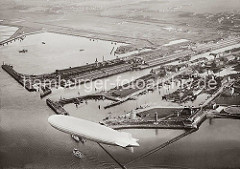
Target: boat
point(77, 153)
point(23, 51)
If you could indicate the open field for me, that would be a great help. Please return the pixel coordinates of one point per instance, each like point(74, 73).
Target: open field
point(140, 22)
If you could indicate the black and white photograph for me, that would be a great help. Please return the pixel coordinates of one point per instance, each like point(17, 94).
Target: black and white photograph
point(120, 84)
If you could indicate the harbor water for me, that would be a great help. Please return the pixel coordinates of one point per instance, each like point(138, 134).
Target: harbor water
point(58, 50)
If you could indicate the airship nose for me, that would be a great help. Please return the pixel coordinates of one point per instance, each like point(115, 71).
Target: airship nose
point(52, 119)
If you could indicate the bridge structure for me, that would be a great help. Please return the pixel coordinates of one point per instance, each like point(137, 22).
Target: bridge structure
point(10, 40)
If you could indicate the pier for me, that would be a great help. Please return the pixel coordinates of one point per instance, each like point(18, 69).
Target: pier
point(56, 107)
point(160, 125)
point(116, 102)
point(18, 77)
point(81, 74)
point(77, 100)
point(10, 40)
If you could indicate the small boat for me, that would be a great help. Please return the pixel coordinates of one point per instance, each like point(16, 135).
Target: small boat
point(23, 51)
point(77, 153)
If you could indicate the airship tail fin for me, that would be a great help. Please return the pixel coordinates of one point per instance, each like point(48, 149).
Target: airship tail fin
point(127, 140)
point(122, 143)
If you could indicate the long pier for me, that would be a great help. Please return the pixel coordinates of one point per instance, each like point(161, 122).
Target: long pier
point(151, 126)
point(117, 102)
point(86, 97)
point(9, 69)
point(56, 107)
point(81, 74)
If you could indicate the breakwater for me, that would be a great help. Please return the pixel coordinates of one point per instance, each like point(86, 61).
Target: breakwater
point(18, 77)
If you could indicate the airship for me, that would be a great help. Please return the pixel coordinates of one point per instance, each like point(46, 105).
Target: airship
point(92, 131)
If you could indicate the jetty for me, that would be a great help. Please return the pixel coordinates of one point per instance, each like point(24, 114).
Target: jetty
point(56, 107)
point(18, 77)
point(10, 40)
point(77, 100)
point(44, 91)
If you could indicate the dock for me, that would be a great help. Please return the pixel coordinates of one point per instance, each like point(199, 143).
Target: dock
point(18, 77)
point(56, 107)
point(10, 40)
point(151, 126)
point(81, 74)
point(86, 97)
point(115, 103)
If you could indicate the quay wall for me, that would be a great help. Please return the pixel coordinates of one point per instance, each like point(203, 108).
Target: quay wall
point(149, 126)
point(86, 97)
point(17, 77)
point(57, 108)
